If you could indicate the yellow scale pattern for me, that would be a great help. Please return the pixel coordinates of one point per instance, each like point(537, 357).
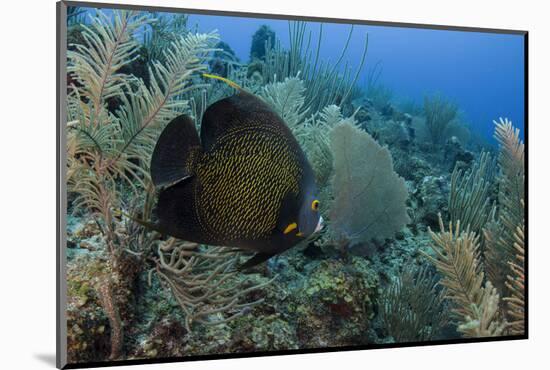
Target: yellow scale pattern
point(244, 178)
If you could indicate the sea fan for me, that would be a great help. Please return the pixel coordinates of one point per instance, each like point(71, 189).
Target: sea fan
point(369, 197)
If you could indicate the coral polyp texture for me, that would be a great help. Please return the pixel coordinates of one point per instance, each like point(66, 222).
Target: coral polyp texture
point(398, 222)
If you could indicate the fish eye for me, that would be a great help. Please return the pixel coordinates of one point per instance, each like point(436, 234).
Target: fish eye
point(315, 205)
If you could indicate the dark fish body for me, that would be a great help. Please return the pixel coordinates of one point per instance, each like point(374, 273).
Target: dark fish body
point(246, 183)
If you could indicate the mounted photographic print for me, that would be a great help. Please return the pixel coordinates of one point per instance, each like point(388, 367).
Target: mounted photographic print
point(235, 184)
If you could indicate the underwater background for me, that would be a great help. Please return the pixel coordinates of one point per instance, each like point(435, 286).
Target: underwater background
point(480, 72)
point(419, 181)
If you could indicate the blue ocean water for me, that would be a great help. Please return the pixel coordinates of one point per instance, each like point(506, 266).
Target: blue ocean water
point(483, 73)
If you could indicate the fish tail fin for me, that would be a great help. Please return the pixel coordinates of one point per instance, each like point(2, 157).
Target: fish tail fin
point(176, 153)
point(223, 79)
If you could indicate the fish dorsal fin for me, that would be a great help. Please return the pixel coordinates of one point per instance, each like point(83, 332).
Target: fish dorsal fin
point(239, 111)
point(176, 153)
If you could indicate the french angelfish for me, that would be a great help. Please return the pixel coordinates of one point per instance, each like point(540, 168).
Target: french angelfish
point(246, 183)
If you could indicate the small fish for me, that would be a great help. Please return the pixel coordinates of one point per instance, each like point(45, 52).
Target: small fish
point(246, 183)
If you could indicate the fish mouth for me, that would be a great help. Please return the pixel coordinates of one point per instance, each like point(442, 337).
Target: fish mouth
point(319, 225)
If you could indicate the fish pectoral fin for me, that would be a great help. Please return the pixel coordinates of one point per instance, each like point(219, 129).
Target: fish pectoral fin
point(255, 260)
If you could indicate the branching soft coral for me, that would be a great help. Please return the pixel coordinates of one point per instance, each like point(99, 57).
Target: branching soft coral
point(484, 322)
point(413, 307)
point(516, 285)
point(106, 148)
point(499, 235)
point(109, 46)
point(203, 281)
point(478, 307)
point(109, 152)
point(326, 83)
point(439, 114)
point(469, 200)
point(287, 98)
point(457, 260)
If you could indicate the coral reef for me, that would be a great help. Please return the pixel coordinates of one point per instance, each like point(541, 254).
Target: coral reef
point(108, 156)
point(516, 285)
point(388, 172)
point(262, 40)
point(87, 324)
point(439, 114)
point(469, 199)
point(475, 302)
point(288, 100)
point(500, 234)
point(429, 198)
point(325, 83)
point(161, 32)
point(479, 308)
point(336, 304)
point(222, 59)
point(203, 283)
point(413, 307)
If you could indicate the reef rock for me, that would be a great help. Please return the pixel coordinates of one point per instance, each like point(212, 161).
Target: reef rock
point(335, 304)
